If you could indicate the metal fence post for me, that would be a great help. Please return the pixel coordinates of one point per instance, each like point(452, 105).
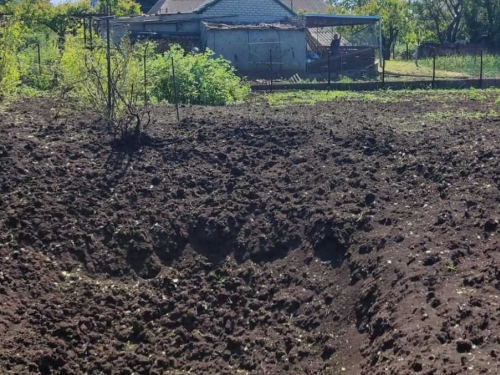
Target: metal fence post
point(108, 61)
point(383, 74)
point(271, 66)
point(39, 58)
point(434, 70)
point(329, 70)
point(481, 72)
point(176, 99)
point(145, 76)
point(84, 31)
point(90, 33)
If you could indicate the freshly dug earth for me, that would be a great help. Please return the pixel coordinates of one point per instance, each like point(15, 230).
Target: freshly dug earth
point(347, 237)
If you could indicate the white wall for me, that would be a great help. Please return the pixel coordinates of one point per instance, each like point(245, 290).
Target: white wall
point(249, 50)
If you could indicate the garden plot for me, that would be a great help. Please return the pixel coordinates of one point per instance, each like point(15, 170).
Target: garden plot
point(348, 236)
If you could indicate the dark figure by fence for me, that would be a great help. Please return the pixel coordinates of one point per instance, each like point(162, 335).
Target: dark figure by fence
point(335, 46)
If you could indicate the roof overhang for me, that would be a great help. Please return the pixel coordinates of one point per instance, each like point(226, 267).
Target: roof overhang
point(326, 20)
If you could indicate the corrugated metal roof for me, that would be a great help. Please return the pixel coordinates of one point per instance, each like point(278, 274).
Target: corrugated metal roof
point(188, 6)
point(306, 5)
point(176, 6)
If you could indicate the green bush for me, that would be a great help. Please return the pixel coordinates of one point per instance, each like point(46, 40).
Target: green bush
point(10, 39)
point(44, 76)
point(200, 79)
point(84, 74)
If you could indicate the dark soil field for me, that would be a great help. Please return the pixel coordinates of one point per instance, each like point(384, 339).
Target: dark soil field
point(346, 237)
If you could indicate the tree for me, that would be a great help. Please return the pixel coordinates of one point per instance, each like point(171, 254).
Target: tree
point(394, 14)
point(443, 16)
point(347, 5)
point(10, 40)
point(482, 20)
point(119, 8)
point(37, 14)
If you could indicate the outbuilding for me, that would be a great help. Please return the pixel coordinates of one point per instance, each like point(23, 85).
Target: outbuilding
point(259, 37)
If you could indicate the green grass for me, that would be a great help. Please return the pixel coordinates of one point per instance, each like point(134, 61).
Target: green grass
point(438, 116)
point(310, 97)
point(408, 68)
point(466, 65)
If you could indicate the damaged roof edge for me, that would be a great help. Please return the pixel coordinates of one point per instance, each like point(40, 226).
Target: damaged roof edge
point(251, 26)
point(323, 20)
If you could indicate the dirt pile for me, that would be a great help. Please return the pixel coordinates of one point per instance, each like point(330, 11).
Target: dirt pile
point(249, 239)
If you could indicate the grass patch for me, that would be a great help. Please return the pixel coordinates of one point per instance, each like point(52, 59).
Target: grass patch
point(466, 65)
point(408, 68)
point(439, 116)
point(311, 97)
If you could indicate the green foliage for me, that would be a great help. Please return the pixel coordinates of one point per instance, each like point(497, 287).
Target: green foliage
point(200, 79)
point(482, 19)
point(84, 74)
point(10, 39)
point(345, 79)
point(119, 8)
point(444, 19)
point(40, 75)
point(394, 15)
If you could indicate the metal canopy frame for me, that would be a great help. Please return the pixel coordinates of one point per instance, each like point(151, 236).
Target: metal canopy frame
point(323, 20)
point(330, 20)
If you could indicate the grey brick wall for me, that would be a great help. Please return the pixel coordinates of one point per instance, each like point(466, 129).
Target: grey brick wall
point(248, 11)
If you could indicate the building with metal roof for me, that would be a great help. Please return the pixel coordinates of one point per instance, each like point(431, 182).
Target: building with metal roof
point(259, 37)
point(193, 6)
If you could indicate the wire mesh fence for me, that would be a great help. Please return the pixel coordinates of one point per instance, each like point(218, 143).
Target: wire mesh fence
point(356, 65)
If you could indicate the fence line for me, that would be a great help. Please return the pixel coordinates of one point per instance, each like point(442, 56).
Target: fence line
point(377, 85)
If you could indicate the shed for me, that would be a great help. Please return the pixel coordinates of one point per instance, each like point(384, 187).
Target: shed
point(259, 49)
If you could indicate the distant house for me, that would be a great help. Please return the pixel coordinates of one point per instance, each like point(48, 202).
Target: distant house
point(259, 37)
point(193, 6)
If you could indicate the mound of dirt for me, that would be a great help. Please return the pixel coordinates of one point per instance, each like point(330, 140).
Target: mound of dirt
point(250, 239)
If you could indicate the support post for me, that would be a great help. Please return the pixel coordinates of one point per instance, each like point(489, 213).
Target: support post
point(381, 54)
point(90, 33)
point(434, 69)
point(271, 67)
point(383, 75)
point(84, 31)
point(481, 72)
point(39, 58)
point(145, 76)
point(108, 62)
point(176, 98)
point(329, 70)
